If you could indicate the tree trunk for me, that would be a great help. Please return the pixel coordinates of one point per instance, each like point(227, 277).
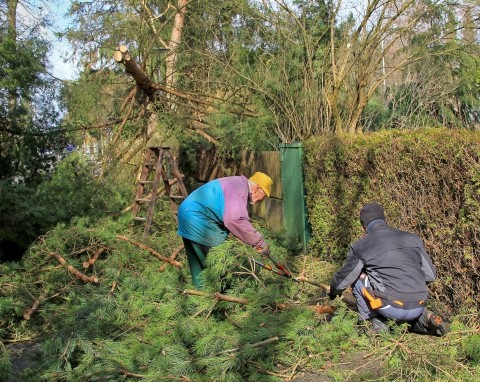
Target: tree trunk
point(175, 39)
point(12, 33)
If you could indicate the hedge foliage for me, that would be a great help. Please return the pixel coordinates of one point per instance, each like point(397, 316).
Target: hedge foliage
point(428, 180)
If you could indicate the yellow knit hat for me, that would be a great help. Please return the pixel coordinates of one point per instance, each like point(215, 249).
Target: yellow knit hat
point(264, 181)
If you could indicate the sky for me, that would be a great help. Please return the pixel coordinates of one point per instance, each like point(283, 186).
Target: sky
point(55, 10)
point(61, 69)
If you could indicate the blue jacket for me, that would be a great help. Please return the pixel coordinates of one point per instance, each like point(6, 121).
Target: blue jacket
point(213, 210)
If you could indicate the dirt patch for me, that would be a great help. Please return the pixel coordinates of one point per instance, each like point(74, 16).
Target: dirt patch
point(23, 355)
point(312, 377)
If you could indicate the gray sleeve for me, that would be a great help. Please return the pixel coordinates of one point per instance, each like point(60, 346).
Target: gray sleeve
point(427, 265)
point(349, 273)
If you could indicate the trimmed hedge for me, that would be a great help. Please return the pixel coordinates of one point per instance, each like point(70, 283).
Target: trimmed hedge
point(428, 180)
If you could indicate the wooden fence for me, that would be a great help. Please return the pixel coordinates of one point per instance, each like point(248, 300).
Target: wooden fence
point(271, 210)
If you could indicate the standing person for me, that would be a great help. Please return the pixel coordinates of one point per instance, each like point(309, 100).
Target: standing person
point(389, 270)
point(219, 207)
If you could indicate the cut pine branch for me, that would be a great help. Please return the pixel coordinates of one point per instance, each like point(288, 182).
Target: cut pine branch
point(173, 256)
point(255, 345)
point(325, 287)
point(36, 304)
point(73, 271)
point(218, 296)
point(346, 297)
point(319, 309)
point(94, 258)
point(151, 250)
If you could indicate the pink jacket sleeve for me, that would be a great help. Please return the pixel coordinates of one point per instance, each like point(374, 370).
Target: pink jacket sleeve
point(235, 215)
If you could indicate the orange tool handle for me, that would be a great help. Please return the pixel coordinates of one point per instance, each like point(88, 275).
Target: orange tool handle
point(375, 303)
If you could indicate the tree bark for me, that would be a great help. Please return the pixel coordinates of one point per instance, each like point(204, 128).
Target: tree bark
point(175, 39)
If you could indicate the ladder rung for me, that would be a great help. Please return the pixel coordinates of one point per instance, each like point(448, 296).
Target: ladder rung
point(145, 181)
point(139, 219)
point(143, 200)
point(165, 197)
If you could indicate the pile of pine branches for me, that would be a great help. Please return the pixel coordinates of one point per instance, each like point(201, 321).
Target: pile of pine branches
point(105, 304)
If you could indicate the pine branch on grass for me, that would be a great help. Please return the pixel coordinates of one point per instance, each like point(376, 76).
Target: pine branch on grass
point(151, 250)
point(91, 261)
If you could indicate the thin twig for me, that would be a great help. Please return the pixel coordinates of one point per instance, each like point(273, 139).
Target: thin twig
point(255, 345)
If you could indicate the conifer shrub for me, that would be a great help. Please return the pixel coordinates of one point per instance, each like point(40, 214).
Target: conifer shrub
point(428, 181)
point(472, 348)
point(72, 190)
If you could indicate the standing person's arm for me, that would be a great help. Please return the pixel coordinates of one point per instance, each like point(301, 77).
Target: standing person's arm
point(237, 221)
point(235, 215)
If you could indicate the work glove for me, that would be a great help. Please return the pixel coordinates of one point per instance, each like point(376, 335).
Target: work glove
point(264, 251)
point(332, 294)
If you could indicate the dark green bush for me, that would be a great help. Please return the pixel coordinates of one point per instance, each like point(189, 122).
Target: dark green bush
point(428, 181)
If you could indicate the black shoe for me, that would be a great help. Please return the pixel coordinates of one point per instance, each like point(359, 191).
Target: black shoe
point(436, 323)
point(430, 322)
point(373, 326)
point(378, 326)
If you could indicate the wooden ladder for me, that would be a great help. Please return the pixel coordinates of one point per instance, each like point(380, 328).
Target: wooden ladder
point(159, 165)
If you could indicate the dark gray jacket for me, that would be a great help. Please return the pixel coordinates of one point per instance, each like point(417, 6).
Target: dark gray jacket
point(395, 261)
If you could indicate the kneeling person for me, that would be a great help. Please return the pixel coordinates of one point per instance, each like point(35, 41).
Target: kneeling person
point(389, 270)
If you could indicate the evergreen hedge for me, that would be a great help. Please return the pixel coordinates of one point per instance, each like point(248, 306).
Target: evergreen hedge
point(428, 180)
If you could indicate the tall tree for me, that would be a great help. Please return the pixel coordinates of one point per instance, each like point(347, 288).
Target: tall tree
point(243, 70)
point(27, 147)
point(30, 145)
point(362, 49)
point(172, 51)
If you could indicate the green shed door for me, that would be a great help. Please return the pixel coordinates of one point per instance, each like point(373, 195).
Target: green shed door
point(293, 190)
